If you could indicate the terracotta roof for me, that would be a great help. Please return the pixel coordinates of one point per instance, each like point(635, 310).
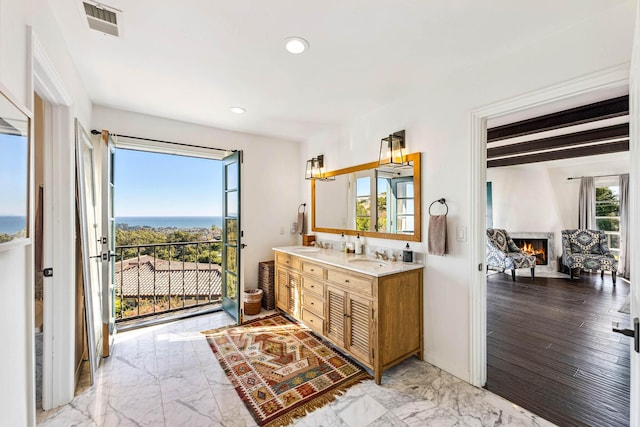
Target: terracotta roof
point(156, 278)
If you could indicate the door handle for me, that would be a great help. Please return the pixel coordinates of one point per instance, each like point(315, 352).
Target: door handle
point(242, 246)
point(633, 333)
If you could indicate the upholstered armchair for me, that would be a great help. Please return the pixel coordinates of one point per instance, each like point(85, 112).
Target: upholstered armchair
point(587, 250)
point(503, 254)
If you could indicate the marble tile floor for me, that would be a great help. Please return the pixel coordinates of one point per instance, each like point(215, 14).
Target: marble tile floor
point(166, 375)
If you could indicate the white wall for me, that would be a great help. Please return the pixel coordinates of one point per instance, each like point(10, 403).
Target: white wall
point(436, 119)
point(16, 271)
point(271, 176)
point(552, 203)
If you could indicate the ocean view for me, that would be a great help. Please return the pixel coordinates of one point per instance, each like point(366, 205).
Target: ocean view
point(12, 224)
point(171, 221)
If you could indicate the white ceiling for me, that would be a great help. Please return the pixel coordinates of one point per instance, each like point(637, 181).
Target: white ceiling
point(192, 60)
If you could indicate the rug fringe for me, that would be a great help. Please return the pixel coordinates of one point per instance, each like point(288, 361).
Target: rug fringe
point(317, 403)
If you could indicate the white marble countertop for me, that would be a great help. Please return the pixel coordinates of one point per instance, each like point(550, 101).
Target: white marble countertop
point(358, 263)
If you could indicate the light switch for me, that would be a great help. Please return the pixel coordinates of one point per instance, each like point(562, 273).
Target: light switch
point(461, 233)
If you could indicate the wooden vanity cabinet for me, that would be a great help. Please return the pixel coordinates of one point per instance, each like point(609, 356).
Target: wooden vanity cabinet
point(376, 320)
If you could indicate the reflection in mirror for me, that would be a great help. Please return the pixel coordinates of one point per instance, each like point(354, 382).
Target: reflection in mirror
point(14, 172)
point(370, 200)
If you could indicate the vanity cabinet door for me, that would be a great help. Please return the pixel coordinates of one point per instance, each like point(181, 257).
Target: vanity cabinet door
point(359, 327)
point(288, 291)
point(335, 321)
point(349, 323)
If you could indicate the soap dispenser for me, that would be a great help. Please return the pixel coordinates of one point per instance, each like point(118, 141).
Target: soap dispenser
point(343, 243)
point(358, 245)
point(407, 254)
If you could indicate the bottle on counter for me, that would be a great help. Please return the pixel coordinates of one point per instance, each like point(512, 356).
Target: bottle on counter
point(407, 254)
point(343, 243)
point(358, 245)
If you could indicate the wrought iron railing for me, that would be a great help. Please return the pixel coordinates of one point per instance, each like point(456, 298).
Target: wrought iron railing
point(158, 278)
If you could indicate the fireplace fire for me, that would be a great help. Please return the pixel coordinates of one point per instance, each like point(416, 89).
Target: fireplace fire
point(537, 247)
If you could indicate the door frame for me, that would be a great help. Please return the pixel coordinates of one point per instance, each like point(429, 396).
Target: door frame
point(58, 376)
point(608, 78)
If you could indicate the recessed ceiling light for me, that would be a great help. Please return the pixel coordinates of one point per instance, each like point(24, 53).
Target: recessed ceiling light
point(238, 110)
point(296, 45)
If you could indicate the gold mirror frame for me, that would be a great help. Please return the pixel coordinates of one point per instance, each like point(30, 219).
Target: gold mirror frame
point(417, 234)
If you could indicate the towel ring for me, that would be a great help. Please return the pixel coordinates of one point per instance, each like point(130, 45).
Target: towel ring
point(441, 201)
point(303, 206)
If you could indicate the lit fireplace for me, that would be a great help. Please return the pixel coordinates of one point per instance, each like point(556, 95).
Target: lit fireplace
point(537, 247)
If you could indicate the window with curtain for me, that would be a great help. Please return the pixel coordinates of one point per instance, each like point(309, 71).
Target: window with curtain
point(608, 212)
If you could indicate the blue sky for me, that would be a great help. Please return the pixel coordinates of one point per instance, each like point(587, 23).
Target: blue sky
point(151, 184)
point(13, 175)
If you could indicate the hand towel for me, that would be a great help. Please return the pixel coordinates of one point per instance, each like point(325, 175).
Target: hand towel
point(438, 235)
point(300, 224)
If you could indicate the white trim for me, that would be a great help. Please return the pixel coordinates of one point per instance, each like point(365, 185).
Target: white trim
point(59, 232)
point(634, 229)
point(609, 78)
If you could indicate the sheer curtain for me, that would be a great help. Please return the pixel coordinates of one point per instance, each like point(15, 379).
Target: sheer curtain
point(623, 262)
point(587, 204)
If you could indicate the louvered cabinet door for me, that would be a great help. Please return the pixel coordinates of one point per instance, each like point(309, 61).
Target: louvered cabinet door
point(335, 317)
point(282, 289)
point(359, 327)
point(293, 302)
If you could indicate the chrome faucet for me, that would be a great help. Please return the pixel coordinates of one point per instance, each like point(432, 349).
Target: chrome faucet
point(381, 255)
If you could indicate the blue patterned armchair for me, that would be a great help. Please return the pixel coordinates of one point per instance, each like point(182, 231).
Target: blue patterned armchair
point(503, 254)
point(587, 250)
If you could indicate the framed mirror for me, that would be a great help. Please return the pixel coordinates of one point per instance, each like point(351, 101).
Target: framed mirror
point(370, 200)
point(14, 173)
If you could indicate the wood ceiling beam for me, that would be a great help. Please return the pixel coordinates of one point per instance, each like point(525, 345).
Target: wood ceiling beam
point(569, 140)
point(591, 150)
point(614, 107)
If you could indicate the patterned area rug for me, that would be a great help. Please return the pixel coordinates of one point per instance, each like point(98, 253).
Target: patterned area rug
point(280, 369)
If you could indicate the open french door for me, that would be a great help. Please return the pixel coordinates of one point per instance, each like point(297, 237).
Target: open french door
point(231, 236)
point(90, 243)
point(108, 244)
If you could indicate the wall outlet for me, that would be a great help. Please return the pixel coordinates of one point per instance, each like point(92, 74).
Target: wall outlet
point(294, 228)
point(281, 230)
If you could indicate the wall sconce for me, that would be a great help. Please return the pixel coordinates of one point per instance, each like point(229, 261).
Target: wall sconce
point(392, 150)
point(315, 169)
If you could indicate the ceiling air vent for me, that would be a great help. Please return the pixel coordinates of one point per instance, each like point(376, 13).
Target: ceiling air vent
point(101, 19)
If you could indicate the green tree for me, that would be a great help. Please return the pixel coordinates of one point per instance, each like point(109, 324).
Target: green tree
point(607, 205)
point(607, 202)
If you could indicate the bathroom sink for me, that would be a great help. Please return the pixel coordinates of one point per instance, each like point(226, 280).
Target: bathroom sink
point(367, 262)
point(310, 249)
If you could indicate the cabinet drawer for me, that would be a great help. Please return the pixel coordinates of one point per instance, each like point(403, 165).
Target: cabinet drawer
point(288, 260)
point(313, 321)
point(313, 270)
point(312, 286)
point(313, 303)
point(352, 282)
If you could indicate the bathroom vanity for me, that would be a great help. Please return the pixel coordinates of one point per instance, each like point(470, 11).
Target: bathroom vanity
point(371, 309)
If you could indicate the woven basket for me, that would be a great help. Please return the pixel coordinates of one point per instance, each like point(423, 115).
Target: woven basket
point(266, 282)
point(252, 301)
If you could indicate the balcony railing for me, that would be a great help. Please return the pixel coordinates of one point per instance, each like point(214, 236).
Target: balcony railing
point(158, 278)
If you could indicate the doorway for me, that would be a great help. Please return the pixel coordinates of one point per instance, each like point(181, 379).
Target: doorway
point(611, 79)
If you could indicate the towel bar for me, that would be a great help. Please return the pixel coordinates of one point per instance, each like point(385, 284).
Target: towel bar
point(441, 201)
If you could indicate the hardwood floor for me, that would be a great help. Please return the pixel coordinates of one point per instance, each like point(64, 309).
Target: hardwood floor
point(550, 348)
